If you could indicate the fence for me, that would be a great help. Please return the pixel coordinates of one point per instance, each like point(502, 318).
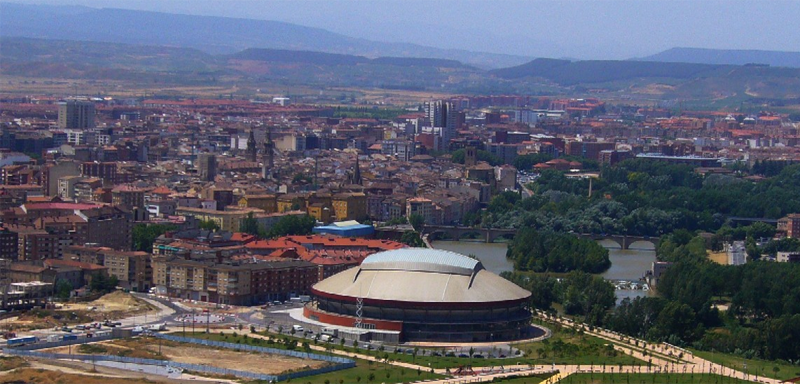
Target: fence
point(338, 362)
point(253, 348)
point(62, 343)
point(133, 360)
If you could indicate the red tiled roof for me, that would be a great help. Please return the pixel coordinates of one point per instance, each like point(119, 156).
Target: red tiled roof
point(64, 206)
point(73, 263)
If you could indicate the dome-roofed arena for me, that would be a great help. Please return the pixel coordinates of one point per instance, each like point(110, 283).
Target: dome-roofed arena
point(425, 295)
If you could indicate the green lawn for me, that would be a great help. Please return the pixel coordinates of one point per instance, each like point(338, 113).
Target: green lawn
point(648, 378)
point(532, 379)
point(754, 366)
point(565, 347)
point(381, 373)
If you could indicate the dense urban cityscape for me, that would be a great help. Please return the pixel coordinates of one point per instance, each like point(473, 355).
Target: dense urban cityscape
point(169, 214)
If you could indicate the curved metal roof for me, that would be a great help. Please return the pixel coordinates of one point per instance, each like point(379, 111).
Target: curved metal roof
point(420, 275)
point(423, 260)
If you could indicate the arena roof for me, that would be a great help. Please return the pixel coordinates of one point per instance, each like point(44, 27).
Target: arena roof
point(419, 275)
point(422, 259)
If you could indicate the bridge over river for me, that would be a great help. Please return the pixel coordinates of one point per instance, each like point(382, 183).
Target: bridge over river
point(491, 235)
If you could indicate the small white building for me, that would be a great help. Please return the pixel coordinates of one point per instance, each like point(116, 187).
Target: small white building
point(282, 101)
point(736, 253)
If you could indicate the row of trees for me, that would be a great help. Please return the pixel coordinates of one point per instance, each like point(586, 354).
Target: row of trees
point(287, 226)
point(580, 293)
point(546, 251)
point(645, 198)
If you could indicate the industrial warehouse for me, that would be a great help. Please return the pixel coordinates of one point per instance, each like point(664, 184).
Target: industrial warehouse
point(418, 294)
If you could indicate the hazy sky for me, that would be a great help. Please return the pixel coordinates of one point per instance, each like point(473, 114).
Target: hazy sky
point(584, 29)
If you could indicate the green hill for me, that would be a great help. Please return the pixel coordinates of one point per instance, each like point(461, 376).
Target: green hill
point(566, 72)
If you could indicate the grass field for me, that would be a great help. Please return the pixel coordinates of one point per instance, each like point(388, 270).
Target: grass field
point(754, 366)
point(532, 379)
point(564, 347)
point(8, 363)
point(648, 378)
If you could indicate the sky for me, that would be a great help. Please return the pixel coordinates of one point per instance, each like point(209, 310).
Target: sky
point(577, 29)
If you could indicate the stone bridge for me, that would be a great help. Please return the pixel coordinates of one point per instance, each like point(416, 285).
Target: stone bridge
point(490, 235)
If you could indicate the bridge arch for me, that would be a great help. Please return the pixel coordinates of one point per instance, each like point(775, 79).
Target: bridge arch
point(471, 235)
point(643, 244)
point(501, 236)
point(440, 235)
point(609, 242)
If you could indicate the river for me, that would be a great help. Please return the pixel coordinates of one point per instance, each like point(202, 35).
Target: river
point(627, 265)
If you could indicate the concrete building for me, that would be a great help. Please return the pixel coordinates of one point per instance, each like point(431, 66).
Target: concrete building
point(103, 170)
point(207, 166)
point(422, 207)
point(736, 253)
point(235, 284)
point(76, 114)
point(443, 115)
point(53, 172)
point(790, 225)
point(127, 196)
point(9, 244)
point(226, 220)
point(133, 269)
point(349, 206)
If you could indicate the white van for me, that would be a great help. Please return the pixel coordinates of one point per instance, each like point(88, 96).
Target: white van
point(297, 328)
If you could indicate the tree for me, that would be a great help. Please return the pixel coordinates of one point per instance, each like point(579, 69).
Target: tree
point(209, 225)
point(63, 289)
point(412, 239)
point(397, 221)
point(145, 234)
point(291, 225)
point(547, 251)
point(102, 283)
point(249, 225)
point(458, 157)
point(416, 221)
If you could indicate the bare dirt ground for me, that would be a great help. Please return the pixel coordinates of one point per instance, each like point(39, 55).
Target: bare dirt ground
point(115, 305)
point(185, 353)
point(116, 301)
point(224, 358)
point(718, 257)
point(74, 372)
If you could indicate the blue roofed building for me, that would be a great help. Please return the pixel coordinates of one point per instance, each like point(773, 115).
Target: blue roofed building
point(349, 228)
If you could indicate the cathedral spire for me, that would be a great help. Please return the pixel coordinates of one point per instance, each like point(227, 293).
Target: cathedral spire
point(251, 147)
point(357, 173)
point(269, 160)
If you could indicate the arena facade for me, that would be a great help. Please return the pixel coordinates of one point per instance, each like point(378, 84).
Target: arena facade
point(423, 294)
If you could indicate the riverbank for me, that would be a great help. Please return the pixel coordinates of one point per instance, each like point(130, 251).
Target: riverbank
point(628, 264)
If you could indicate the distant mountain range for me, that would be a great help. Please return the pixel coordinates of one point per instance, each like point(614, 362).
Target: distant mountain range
point(156, 64)
point(215, 35)
point(727, 56)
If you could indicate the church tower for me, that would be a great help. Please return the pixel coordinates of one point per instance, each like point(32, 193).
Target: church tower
point(251, 148)
point(269, 153)
point(357, 173)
